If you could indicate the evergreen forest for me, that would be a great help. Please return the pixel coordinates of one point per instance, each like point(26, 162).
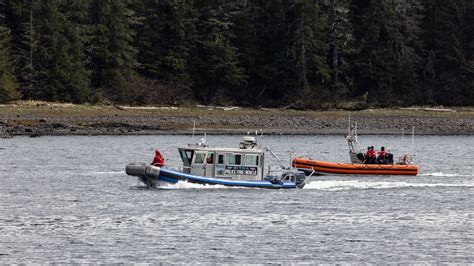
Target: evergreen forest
point(275, 53)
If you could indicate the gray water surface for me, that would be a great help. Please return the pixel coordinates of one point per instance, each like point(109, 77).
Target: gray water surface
point(68, 200)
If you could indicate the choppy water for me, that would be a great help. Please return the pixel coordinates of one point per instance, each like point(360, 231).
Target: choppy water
point(68, 200)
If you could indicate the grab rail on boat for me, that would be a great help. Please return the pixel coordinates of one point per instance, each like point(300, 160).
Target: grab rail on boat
point(282, 165)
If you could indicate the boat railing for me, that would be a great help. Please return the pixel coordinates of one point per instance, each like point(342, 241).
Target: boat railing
point(282, 165)
point(276, 171)
point(177, 167)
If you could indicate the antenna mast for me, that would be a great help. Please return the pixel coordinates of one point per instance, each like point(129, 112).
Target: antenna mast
point(349, 129)
point(194, 127)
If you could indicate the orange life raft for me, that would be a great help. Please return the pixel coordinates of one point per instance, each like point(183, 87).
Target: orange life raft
point(355, 168)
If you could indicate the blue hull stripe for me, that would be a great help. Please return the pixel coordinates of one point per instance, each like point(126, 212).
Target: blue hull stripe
point(171, 176)
point(167, 179)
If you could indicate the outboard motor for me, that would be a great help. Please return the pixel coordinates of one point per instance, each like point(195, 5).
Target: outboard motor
point(300, 178)
point(297, 177)
point(390, 158)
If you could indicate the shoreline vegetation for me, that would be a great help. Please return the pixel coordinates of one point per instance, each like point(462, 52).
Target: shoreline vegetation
point(303, 54)
point(34, 118)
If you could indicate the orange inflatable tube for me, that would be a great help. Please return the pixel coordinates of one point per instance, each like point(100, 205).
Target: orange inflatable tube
point(355, 169)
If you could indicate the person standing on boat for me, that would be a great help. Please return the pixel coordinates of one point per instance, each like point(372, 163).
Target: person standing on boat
point(158, 160)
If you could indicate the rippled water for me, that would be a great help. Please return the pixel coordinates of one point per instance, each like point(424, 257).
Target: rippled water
point(68, 200)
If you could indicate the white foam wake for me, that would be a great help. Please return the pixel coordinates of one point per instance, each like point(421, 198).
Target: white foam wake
point(187, 185)
point(335, 185)
point(440, 174)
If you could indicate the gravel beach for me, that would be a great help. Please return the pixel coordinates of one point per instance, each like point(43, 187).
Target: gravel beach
point(39, 119)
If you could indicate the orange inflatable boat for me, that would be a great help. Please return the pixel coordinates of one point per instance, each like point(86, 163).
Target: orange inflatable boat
point(354, 168)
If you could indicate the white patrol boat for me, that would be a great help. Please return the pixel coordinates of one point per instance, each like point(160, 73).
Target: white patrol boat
point(237, 167)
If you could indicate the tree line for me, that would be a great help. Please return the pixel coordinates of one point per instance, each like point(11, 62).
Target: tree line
point(296, 53)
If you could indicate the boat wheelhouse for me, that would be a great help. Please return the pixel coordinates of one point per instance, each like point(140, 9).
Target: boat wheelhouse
point(246, 162)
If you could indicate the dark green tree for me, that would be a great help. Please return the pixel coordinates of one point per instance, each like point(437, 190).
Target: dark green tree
point(447, 50)
point(258, 36)
point(111, 48)
point(165, 37)
point(341, 47)
point(243, 19)
point(58, 56)
point(216, 69)
point(18, 17)
point(383, 66)
point(308, 49)
point(291, 50)
point(8, 85)
point(468, 48)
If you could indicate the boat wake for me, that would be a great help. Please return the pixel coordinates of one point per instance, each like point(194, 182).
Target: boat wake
point(335, 185)
point(441, 174)
point(187, 185)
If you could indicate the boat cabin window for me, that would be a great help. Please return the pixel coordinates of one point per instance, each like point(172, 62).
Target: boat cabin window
point(210, 158)
point(186, 156)
point(220, 169)
point(199, 157)
point(251, 159)
point(234, 159)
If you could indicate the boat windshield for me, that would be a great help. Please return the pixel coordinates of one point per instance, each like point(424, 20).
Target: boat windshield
point(186, 156)
point(200, 156)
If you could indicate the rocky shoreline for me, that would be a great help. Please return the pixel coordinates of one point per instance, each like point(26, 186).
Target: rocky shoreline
point(37, 121)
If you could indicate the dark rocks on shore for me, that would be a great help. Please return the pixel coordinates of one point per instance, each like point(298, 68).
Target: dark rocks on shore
point(35, 135)
point(232, 124)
